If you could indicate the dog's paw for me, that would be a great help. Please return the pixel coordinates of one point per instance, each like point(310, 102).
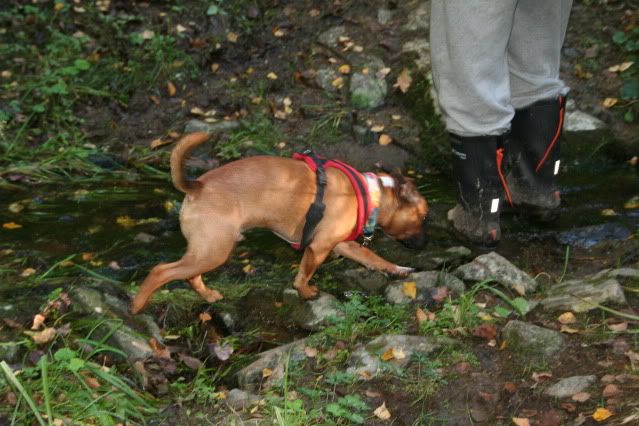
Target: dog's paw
point(213, 296)
point(402, 271)
point(308, 292)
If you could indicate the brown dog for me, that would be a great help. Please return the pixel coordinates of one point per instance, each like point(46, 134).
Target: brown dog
point(275, 193)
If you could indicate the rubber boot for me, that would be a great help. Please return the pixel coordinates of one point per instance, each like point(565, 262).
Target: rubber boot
point(476, 216)
point(533, 158)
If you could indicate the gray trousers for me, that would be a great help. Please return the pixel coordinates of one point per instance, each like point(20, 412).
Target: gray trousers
point(490, 57)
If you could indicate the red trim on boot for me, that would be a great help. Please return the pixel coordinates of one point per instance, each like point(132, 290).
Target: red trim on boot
point(557, 133)
point(500, 159)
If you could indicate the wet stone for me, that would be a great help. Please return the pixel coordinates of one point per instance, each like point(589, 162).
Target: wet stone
point(366, 362)
point(583, 295)
point(313, 314)
point(331, 36)
point(324, 78)
point(250, 378)
point(363, 279)
point(579, 121)
point(570, 386)
point(212, 128)
point(424, 283)
point(589, 236)
point(529, 340)
point(493, 266)
point(239, 399)
point(367, 91)
point(9, 352)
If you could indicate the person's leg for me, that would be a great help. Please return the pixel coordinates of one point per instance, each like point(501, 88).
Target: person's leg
point(469, 40)
point(538, 94)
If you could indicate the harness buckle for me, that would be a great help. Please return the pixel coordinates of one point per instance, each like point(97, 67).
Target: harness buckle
point(366, 240)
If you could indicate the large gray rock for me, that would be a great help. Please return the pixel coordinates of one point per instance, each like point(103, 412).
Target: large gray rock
point(589, 236)
point(118, 324)
point(364, 279)
point(330, 37)
point(251, 377)
point(367, 91)
point(493, 266)
point(583, 295)
point(212, 128)
point(424, 283)
point(366, 361)
point(579, 121)
point(528, 340)
point(239, 399)
point(570, 386)
point(312, 314)
point(623, 275)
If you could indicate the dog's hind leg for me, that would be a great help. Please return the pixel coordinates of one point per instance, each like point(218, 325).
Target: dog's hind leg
point(198, 260)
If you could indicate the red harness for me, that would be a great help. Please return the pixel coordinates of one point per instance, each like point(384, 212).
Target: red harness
point(358, 181)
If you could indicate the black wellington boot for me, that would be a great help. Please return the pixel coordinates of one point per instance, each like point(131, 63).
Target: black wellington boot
point(533, 156)
point(476, 216)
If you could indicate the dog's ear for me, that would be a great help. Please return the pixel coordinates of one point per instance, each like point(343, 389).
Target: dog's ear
point(396, 173)
point(408, 190)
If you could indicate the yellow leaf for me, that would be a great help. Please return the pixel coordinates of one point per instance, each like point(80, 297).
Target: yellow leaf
point(382, 412)
point(377, 128)
point(11, 225)
point(609, 102)
point(58, 7)
point(215, 67)
point(16, 207)
point(344, 69)
point(266, 372)
point(567, 318)
point(388, 355)
point(602, 414)
point(27, 272)
point(521, 421)
point(156, 143)
point(205, 317)
point(44, 336)
point(232, 37)
point(568, 330)
point(398, 353)
point(271, 76)
point(248, 269)
point(277, 32)
point(170, 88)
point(625, 65)
point(384, 139)
point(633, 203)
point(410, 289)
point(125, 221)
point(608, 212)
point(404, 80)
point(338, 83)
point(396, 117)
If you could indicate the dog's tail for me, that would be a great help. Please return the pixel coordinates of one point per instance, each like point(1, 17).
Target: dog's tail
point(179, 154)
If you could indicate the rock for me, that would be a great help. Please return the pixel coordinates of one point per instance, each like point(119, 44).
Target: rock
point(363, 279)
point(424, 283)
point(451, 257)
point(582, 295)
point(494, 266)
point(331, 36)
point(324, 78)
point(384, 15)
point(9, 352)
point(579, 121)
point(570, 386)
point(367, 91)
point(623, 275)
point(143, 237)
point(366, 362)
point(366, 60)
point(212, 128)
point(532, 341)
point(251, 377)
point(101, 304)
point(313, 314)
point(239, 399)
point(419, 19)
point(421, 47)
point(589, 236)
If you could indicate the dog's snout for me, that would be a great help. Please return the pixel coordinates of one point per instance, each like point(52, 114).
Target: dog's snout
point(416, 242)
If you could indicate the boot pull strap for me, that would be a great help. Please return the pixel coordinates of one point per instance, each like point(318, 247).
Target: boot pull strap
point(500, 159)
point(562, 107)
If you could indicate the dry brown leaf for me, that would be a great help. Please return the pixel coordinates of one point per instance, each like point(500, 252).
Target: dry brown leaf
point(541, 377)
point(38, 321)
point(215, 67)
point(610, 391)
point(156, 143)
point(357, 48)
point(147, 34)
point(232, 37)
point(621, 67)
point(521, 421)
point(372, 394)
point(385, 139)
point(92, 382)
point(377, 128)
point(205, 317)
point(310, 352)
point(44, 336)
point(581, 397)
point(609, 102)
point(170, 88)
point(404, 80)
point(568, 330)
point(601, 414)
point(27, 272)
point(622, 326)
point(567, 318)
point(409, 289)
point(381, 74)
point(420, 315)
point(382, 412)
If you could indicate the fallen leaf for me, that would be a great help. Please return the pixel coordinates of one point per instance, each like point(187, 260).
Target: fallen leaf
point(373, 394)
point(170, 88)
point(38, 321)
point(357, 48)
point(310, 352)
point(462, 367)
point(541, 377)
point(205, 317)
point(609, 102)
point(485, 331)
point(147, 34)
point(232, 37)
point(388, 355)
point(44, 336)
point(381, 74)
point(404, 80)
point(601, 414)
point(384, 139)
point(92, 382)
point(277, 32)
point(439, 294)
point(398, 353)
point(621, 67)
point(215, 67)
point(632, 356)
point(125, 221)
point(314, 13)
point(567, 318)
point(382, 412)
point(338, 83)
point(27, 272)
point(189, 361)
point(271, 76)
point(409, 289)
point(344, 69)
point(159, 350)
point(510, 387)
point(610, 391)
point(16, 207)
point(420, 315)
point(521, 421)
point(622, 326)
point(377, 128)
point(569, 407)
point(156, 143)
point(581, 397)
point(568, 330)
point(266, 372)
point(608, 212)
point(11, 225)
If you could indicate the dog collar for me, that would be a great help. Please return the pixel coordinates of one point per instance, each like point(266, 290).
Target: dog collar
point(374, 196)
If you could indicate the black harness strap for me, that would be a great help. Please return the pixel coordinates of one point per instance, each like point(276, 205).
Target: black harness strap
point(316, 210)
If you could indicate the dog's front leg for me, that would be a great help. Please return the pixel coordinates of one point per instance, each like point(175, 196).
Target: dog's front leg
point(313, 257)
point(368, 258)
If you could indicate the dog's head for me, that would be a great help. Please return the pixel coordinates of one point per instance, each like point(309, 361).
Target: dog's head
point(407, 213)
